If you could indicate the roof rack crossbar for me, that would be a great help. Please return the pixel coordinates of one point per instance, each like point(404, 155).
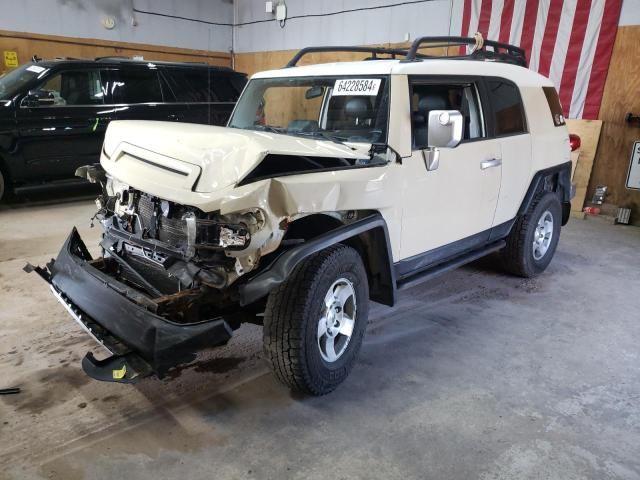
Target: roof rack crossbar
point(503, 52)
point(112, 57)
point(355, 49)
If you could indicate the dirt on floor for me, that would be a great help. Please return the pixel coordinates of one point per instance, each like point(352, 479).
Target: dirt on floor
point(475, 374)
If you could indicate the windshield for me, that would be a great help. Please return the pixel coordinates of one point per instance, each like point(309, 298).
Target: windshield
point(344, 109)
point(13, 82)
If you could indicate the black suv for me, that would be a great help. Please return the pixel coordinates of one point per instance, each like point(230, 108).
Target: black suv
point(53, 114)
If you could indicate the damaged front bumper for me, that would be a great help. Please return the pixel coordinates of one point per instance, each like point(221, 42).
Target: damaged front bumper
point(122, 319)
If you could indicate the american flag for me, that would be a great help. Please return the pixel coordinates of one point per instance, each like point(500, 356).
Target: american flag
point(569, 41)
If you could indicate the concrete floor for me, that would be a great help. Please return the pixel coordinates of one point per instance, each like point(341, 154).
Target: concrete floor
point(474, 375)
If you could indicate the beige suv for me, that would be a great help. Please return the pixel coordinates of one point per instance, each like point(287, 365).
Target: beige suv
point(332, 185)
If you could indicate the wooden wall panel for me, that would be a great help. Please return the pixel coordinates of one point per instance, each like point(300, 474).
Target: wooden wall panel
point(589, 133)
point(49, 46)
point(621, 95)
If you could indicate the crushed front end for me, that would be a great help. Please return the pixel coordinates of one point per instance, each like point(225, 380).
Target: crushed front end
point(164, 286)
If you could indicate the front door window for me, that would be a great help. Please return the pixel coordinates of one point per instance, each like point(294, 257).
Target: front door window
point(71, 88)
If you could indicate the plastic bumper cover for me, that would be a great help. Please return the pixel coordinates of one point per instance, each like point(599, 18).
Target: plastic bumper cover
point(120, 318)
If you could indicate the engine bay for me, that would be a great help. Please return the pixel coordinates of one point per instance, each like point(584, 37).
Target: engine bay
point(180, 257)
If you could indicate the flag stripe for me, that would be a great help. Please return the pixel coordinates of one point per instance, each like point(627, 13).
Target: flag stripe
point(529, 26)
point(570, 70)
point(538, 35)
point(485, 16)
point(466, 18)
point(559, 56)
point(495, 19)
point(586, 59)
point(569, 41)
point(506, 21)
point(550, 35)
point(475, 18)
point(601, 59)
point(516, 23)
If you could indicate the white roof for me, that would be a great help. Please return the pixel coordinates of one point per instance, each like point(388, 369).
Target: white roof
point(520, 75)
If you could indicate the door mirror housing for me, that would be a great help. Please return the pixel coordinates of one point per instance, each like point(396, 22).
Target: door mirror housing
point(38, 98)
point(314, 92)
point(445, 128)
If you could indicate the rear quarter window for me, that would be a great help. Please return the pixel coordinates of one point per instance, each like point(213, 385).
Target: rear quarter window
point(508, 111)
point(226, 88)
point(188, 85)
point(554, 105)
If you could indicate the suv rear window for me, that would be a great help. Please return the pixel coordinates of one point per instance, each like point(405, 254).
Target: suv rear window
point(135, 86)
point(189, 85)
point(554, 105)
point(507, 108)
point(226, 88)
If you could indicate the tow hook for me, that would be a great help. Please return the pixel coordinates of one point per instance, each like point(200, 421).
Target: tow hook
point(128, 368)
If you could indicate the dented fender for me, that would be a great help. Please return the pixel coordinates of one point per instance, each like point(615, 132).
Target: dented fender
point(378, 261)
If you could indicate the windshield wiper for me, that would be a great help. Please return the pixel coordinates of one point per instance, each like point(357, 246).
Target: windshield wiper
point(320, 133)
point(334, 139)
point(267, 128)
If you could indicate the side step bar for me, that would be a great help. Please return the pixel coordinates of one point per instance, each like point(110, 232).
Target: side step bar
point(446, 266)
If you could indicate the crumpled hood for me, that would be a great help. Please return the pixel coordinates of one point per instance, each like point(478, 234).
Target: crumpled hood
point(159, 156)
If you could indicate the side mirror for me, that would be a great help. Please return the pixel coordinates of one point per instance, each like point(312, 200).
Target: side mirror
point(445, 128)
point(38, 98)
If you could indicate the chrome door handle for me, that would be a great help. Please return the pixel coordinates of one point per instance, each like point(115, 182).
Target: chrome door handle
point(494, 162)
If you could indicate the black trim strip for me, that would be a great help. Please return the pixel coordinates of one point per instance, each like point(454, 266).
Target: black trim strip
point(449, 265)
point(163, 167)
point(249, 179)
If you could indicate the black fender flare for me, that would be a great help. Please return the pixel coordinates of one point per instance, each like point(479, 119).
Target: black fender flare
point(554, 179)
point(377, 258)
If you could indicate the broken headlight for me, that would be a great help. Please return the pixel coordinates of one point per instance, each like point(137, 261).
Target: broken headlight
point(221, 235)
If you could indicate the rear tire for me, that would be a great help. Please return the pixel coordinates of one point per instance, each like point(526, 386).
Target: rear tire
point(315, 321)
point(534, 237)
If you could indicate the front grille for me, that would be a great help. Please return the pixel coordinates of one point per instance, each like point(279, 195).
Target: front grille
point(173, 231)
point(164, 221)
point(146, 213)
point(169, 230)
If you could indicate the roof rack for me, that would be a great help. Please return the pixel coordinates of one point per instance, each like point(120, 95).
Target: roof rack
point(374, 51)
point(502, 52)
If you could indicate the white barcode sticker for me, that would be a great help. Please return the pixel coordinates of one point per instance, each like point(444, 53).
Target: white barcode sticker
point(36, 69)
point(356, 86)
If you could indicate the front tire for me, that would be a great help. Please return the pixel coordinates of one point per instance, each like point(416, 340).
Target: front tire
point(534, 237)
point(315, 321)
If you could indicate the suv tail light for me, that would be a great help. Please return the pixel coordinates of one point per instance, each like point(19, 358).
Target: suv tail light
point(574, 142)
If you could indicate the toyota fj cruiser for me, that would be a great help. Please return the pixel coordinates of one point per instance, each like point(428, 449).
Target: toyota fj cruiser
point(332, 185)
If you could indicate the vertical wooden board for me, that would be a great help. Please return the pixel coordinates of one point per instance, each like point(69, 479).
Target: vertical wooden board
point(575, 156)
point(621, 96)
point(589, 133)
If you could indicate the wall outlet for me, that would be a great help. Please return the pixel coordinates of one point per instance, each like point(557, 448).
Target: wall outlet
point(268, 8)
point(281, 12)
